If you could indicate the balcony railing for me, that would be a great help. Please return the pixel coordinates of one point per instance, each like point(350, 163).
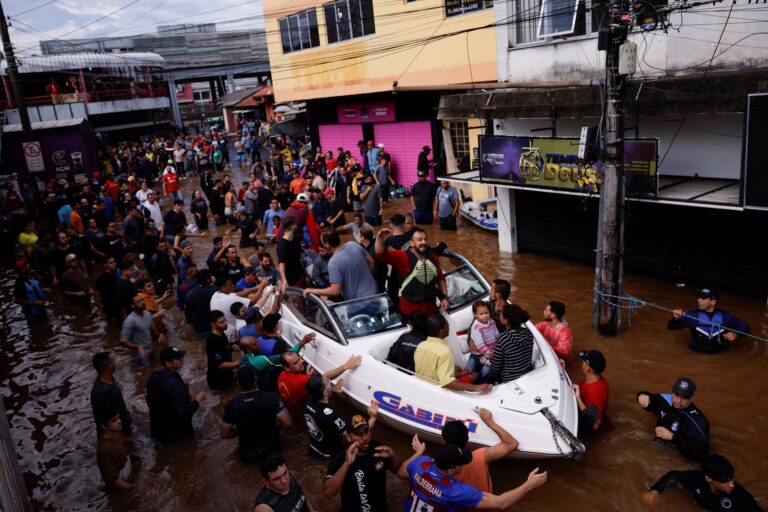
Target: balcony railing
point(139, 91)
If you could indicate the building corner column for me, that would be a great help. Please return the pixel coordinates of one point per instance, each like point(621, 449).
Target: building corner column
point(174, 101)
point(506, 218)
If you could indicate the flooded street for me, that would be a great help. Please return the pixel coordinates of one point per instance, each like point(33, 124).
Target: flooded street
point(46, 377)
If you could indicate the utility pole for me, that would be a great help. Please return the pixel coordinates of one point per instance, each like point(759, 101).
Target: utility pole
point(13, 76)
point(610, 253)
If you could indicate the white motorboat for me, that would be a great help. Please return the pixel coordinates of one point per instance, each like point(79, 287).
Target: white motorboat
point(539, 408)
point(481, 213)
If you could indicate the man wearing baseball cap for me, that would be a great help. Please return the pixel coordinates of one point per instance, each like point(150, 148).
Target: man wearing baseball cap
point(170, 406)
point(713, 487)
point(678, 420)
point(360, 473)
point(423, 198)
point(712, 329)
point(434, 486)
point(592, 391)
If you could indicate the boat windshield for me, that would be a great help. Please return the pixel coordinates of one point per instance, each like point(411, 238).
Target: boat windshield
point(366, 317)
point(464, 287)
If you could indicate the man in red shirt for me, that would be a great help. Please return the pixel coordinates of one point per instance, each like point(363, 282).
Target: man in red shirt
point(171, 185)
point(592, 392)
point(556, 331)
point(421, 278)
point(292, 382)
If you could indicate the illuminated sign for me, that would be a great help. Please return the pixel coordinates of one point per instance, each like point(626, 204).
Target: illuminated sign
point(395, 405)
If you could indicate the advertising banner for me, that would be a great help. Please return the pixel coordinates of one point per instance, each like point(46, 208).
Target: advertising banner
point(372, 112)
point(551, 162)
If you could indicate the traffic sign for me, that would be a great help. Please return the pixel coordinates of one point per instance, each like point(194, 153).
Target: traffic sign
point(34, 156)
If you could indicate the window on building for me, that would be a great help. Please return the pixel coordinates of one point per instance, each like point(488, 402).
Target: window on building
point(457, 7)
point(299, 31)
point(459, 138)
point(526, 20)
point(204, 95)
point(348, 19)
point(557, 17)
point(532, 20)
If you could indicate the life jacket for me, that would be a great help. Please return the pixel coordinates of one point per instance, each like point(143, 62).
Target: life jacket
point(34, 292)
point(420, 285)
point(710, 327)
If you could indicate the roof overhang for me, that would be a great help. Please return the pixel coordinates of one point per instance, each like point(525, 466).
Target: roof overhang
point(73, 61)
point(715, 93)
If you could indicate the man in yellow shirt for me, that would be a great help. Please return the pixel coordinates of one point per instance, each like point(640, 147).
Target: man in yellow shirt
point(434, 361)
point(28, 238)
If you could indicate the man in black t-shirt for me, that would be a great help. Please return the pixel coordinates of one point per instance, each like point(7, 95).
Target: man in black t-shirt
point(106, 291)
point(174, 220)
point(281, 491)
point(125, 290)
point(247, 228)
point(678, 420)
point(220, 364)
point(360, 473)
point(423, 197)
point(197, 304)
point(289, 256)
point(254, 416)
point(336, 216)
point(713, 488)
point(326, 427)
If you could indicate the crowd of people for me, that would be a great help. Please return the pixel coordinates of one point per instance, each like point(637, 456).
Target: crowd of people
point(121, 245)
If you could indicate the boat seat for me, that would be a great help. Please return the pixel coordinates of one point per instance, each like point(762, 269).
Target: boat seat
point(381, 350)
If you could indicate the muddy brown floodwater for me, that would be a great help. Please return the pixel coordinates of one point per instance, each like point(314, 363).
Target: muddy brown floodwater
point(46, 376)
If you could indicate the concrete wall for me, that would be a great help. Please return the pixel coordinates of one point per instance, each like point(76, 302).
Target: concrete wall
point(78, 110)
point(111, 107)
point(706, 145)
point(659, 54)
point(411, 45)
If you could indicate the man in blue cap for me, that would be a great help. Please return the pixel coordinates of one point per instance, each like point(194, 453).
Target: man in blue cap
point(712, 329)
point(678, 420)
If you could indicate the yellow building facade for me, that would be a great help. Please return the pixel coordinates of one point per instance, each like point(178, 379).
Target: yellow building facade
point(377, 46)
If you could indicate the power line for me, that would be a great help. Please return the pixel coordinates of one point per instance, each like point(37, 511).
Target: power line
point(725, 25)
point(49, 2)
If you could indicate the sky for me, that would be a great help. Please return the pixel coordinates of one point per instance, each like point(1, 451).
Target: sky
point(67, 19)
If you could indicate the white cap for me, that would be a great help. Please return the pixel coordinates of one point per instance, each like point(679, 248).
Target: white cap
point(302, 197)
point(381, 145)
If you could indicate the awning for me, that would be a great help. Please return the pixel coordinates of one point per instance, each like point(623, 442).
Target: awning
point(235, 97)
point(293, 128)
point(257, 98)
point(44, 125)
point(678, 190)
point(128, 126)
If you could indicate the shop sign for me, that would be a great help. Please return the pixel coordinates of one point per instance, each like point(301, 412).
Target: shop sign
point(550, 162)
point(371, 112)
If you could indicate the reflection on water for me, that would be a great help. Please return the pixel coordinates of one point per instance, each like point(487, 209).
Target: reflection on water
point(46, 377)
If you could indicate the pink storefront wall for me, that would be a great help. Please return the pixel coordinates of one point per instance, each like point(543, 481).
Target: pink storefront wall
point(404, 142)
point(334, 136)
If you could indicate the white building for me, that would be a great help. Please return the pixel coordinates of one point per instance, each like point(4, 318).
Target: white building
point(689, 91)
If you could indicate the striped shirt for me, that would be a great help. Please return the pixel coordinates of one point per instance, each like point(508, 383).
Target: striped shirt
point(513, 355)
